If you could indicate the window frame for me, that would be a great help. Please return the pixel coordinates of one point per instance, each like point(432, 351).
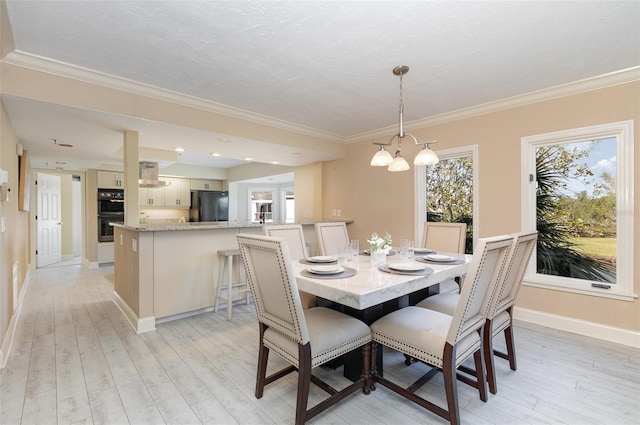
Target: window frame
point(420, 180)
point(623, 132)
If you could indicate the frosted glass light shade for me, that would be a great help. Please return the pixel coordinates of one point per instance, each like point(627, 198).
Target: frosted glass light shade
point(382, 158)
point(426, 157)
point(398, 164)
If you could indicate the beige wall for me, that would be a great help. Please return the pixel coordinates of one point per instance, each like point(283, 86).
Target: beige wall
point(382, 201)
point(91, 208)
point(66, 213)
point(14, 241)
point(307, 185)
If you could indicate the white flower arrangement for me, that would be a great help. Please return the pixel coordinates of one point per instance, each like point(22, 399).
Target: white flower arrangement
point(377, 243)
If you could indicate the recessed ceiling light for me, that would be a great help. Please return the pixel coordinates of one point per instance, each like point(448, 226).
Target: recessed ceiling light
point(224, 140)
point(179, 150)
point(295, 153)
point(275, 162)
point(248, 158)
point(215, 154)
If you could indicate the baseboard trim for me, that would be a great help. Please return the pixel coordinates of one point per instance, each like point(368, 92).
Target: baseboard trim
point(183, 315)
point(581, 327)
point(94, 265)
point(140, 325)
point(7, 342)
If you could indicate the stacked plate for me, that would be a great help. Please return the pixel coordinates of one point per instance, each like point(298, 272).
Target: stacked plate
point(406, 267)
point(423, 251)
point(321, 259)
point(439, 258)
point(328, 269)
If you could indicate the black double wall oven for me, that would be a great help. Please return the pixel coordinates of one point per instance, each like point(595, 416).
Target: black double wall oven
point(110, 210)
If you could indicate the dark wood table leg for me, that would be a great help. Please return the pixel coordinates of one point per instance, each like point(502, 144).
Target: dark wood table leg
point(353, 361)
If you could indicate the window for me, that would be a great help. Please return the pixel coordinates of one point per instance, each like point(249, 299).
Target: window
point(579, 196)
point(261, 206)
point(447, 191)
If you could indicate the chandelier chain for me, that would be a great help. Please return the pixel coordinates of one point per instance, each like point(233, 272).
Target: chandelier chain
point(401, 104)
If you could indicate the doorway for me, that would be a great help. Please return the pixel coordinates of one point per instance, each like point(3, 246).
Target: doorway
point(59, 222)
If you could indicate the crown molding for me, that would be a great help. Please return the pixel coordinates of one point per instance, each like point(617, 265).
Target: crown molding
point(607, 80)
point(51, 66)
point(39, 63)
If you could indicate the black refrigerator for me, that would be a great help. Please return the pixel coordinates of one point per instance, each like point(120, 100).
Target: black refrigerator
point(209, 206)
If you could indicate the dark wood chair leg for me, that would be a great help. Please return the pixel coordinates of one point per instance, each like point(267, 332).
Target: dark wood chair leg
point(367, 378)
point(304, 382)
point(450, 383)
point(487, 346)
point(373, 372)
point(511, 347)
point(408, 360)
point(478, 357)
point(263, 357)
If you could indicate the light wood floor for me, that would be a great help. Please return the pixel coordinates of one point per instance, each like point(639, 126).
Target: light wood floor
point(75, 360)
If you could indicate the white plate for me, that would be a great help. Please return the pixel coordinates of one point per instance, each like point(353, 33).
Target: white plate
point(321, 259)
point(423, 251)
point(332, 269)
point(406, 267)
point(440, 258)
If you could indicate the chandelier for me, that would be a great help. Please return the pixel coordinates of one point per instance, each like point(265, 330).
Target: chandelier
point(382, 158)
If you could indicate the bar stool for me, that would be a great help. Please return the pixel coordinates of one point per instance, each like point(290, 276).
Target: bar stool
point(233, 288)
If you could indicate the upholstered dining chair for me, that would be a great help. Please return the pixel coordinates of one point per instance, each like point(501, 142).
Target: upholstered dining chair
point(297, 249)
point(331, 236)
point(446, 237)
point(303, 338)
point(500, 316)
point(294, 235)
point(444, 341)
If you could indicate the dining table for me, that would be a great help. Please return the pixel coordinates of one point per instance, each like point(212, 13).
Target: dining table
point(368, 292)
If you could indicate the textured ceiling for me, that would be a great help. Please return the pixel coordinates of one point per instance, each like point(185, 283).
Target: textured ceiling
point(327, 65)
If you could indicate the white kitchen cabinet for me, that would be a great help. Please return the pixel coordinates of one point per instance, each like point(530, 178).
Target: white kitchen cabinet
point(151, 196)
point(178, 193)
point(110, 180)
point(206, 185)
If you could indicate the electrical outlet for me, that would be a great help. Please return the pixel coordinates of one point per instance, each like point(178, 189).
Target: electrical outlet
point(134, 245)
point(121, 240)
point(338, 213)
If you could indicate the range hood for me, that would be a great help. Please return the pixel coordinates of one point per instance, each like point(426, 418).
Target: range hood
point(148, 175)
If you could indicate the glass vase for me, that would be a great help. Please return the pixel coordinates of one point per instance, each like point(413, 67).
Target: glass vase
point(378, 257)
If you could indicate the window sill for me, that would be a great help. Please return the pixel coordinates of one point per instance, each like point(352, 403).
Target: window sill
point(594, 292)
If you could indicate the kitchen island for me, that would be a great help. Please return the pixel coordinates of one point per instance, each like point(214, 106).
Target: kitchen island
point(167, 271)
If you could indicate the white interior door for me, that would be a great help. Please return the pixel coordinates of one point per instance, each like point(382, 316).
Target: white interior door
point(48, 224)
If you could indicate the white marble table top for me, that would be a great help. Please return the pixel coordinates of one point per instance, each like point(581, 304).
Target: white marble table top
point(371, 286)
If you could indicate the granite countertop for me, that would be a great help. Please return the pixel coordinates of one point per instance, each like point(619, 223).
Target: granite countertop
point(202, 225)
